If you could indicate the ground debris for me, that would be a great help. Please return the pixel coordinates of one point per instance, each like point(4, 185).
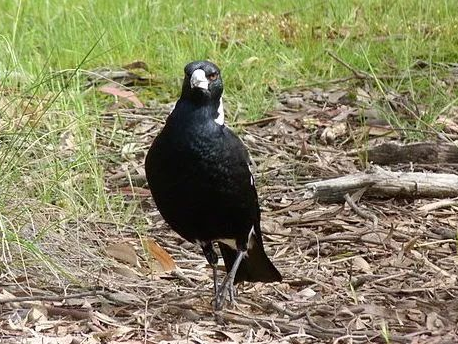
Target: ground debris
point(347, 277)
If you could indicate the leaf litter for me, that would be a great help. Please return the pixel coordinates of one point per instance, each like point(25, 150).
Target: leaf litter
point(345, 279)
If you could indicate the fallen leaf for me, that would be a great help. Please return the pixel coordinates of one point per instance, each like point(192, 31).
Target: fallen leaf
point(48, 340)
point(135, 191)
point(123, 252)
point(37, 314)
point(234, 337)
point(128, 151)
point(126, 271)
point(433, 322)
point(330, 134)
point(137, 65)
point(161, 255)
point(334, 97)
point(382, 131)
point(126, 298)
point(361, 264)
point(103, 318)
point(114, 90)
point(119, 331)
point(450, 124)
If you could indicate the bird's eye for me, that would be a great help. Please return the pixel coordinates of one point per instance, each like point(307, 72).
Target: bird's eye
point(212, 76)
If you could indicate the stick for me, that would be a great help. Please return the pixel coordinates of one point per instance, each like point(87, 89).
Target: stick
point(364, 214)
point(53, 298)
point(358, 74)
point(445, 203)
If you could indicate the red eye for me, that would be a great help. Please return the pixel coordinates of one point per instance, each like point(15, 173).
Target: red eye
point(212, 76)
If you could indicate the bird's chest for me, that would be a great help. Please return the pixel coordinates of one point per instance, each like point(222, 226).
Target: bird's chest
point(204, 148)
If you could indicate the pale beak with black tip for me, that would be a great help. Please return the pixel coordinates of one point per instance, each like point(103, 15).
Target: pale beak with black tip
point(199, 80)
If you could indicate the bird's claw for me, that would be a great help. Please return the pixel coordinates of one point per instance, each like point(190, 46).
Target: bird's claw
point(226, 289)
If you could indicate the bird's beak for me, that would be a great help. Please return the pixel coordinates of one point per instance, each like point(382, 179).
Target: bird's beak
point(198, 79)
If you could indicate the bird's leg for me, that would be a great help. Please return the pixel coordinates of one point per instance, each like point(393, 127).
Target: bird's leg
point(232, 294)
point(228, 282)
point(215, 279)
point(212, 259)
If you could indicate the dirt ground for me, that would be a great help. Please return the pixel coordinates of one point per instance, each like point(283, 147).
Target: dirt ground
point(347, 278)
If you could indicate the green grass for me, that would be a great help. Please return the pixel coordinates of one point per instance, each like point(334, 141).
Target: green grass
point(261, 46)
point(288, 39)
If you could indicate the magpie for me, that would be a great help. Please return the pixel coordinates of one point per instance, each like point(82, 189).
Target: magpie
point(199, 175)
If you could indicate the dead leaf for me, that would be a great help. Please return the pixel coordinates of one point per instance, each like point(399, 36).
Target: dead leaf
point(37, 314)
point(295, 102)
point(123, 252)
point(103, 318)
point(119, 331)
point(135, 191)
point(433, 322)
point(450, 124)
point(137, 65)
point(382, 131)
point(128, 151)
point(67, 142)
point(361, 264)
point(330, 134)
point(126, 271)
point(48, 340)
point(234, 337)
point(116, 91)
point(161, 255)
point(127, 298)
point(334, 97)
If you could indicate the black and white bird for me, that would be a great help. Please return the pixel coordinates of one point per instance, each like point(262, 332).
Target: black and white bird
point(199, 176)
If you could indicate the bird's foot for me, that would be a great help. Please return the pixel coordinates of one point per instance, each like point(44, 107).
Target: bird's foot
point(228, 284)
point(225, 290)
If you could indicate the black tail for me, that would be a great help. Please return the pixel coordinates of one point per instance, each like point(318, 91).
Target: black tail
point(255, 267)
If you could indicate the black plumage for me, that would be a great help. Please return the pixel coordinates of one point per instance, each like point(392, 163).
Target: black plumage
point(199, 176)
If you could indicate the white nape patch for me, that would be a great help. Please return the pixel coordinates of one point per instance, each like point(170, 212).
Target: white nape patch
point(198, 79)
point(220, 119)
point(251, 179)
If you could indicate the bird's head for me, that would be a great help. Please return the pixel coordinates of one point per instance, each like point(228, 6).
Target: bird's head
point(202, 82)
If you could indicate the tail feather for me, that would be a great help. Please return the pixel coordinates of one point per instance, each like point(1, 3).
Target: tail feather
point(255, 267)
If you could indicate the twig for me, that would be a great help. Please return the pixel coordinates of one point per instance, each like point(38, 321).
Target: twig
point(54, 298)
point(68, 312)
point(405, 290)
point(364, 214)
point(422, 258)
point(358, 74)
point(445, 203)
point(259, 121)
point(178, 274)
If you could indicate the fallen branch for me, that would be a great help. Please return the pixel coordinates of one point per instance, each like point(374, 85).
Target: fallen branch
point(391, 153)
point(385, 184)
point(53, 298)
